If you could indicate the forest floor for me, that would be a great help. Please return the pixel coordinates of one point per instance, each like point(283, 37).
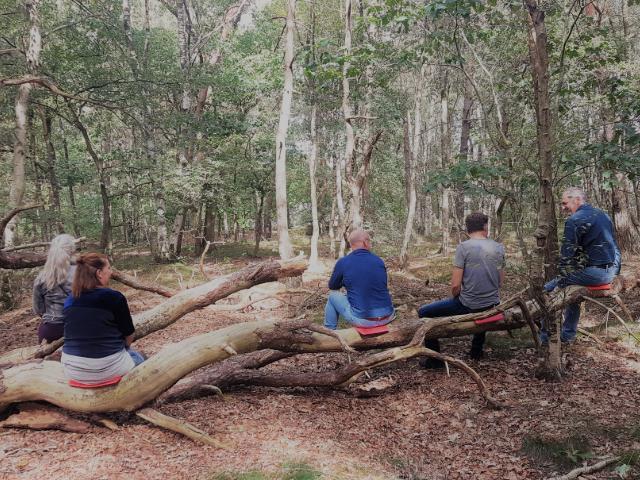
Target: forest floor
point(431, 426)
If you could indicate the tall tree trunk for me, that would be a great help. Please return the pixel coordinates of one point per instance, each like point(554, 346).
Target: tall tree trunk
point(54, 185)
point(16, 191)
point(313, 154)
point(627, 233)
point(465, 132)
point(410, 155)
point(103, 179)
point(445, 159)
point(349, 146)
point(284, 243)
point(546, 235)
point(257, 227)
point(70, 183)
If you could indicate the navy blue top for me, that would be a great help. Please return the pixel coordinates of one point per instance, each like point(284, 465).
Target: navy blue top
point(96, 323)
point(588, 240)
point(364, 276)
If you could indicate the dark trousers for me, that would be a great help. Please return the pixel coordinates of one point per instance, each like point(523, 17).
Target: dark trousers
point(50, 331)
point(445, 308)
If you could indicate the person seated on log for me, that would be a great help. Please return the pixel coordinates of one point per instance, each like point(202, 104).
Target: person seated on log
point(478, 272)
point(98, 328)
point(52, 286)
point(589, 255)
point(364, 275)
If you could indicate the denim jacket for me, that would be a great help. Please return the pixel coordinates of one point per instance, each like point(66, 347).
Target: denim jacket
point(588, 240)
point(50, 303)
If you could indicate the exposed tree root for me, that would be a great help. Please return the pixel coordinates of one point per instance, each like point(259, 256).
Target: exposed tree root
point(178, 426)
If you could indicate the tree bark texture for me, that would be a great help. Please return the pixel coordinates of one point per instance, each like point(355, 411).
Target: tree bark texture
point(284, 243)
point(313, 159)
point(537, 41)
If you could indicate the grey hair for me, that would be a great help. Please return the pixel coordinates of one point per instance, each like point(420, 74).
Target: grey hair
point(575, 192)
point(56, 268)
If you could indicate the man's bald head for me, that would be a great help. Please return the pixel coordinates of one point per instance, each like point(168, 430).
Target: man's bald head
point(359, 239)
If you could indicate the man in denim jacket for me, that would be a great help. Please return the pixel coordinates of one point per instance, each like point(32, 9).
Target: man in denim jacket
point(589, 254)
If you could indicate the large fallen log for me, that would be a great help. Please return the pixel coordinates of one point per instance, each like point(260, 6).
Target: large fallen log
point(45, 380)
point(186, 301)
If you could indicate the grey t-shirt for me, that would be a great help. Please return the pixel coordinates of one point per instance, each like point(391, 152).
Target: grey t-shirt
point(481, 261)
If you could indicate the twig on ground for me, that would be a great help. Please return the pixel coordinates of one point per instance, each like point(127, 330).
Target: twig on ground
point(573, 474)
point(624, 324)
point(178, 426)
point(591, 336)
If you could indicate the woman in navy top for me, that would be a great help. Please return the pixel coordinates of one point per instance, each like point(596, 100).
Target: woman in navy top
point(98, 328)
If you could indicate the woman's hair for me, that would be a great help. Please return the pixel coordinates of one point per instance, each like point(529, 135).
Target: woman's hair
point(86, 267)
point(56, 268)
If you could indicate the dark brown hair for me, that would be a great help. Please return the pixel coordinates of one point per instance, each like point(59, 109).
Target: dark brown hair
point(85, 277)
point(475, 222)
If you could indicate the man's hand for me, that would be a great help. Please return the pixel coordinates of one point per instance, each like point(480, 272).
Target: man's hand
point(456, 281)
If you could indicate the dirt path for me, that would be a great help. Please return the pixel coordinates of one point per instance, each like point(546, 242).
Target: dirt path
point(432, 427)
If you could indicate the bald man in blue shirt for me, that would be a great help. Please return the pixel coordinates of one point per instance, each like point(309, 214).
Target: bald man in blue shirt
point(364, 276)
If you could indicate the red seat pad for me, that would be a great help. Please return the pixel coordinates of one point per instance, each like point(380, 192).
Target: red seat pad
point(494, 318)
point(364, 331)
point(104, 383)
point(604, 286)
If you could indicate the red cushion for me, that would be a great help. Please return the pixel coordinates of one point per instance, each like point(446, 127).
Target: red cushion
point(604, 286)
point(104, 383)
point(372, 330)
point(494, 318)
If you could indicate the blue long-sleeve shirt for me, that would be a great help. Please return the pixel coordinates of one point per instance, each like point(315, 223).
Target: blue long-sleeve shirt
point(588, 240)
point(364, 275)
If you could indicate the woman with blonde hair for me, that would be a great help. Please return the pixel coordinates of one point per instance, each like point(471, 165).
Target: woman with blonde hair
point(52, 286)
point(98, 328)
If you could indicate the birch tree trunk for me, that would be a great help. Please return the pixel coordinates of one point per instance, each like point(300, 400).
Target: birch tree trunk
point(16, 191)
point(349, 145)
point(445, 154)
point(410, 155)
point(284, 243)
point(313, 160)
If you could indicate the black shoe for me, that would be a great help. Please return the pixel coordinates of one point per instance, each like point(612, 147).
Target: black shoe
point(431, 363)
point(476, 354)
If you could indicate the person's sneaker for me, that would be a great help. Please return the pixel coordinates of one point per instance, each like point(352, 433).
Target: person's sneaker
point(431, 363)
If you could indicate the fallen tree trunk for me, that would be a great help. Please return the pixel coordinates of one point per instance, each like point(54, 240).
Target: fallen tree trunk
point(183, 302)
point(45, 380)
point(133, 282)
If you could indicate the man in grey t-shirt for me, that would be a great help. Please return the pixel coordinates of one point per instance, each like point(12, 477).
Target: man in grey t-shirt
point(478, 271)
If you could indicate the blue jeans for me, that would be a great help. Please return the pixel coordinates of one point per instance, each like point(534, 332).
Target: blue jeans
point(451, 306)
point(136, 356)
point(338, 305)
point(587, 276)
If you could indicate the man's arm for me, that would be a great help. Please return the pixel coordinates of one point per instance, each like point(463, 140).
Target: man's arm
point(456, 281)
point(501, 277)
point(335, 282)
point(569, 247)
